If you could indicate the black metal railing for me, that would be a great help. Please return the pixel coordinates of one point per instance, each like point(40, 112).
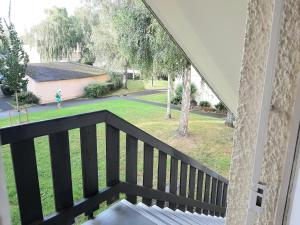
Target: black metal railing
point(200, 189)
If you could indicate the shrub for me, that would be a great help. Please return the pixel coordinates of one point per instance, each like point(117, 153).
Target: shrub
point(97, 90)
point(205, 104)
point(221, 107)
point(116, 79)
point(27, 97)
point(177, 99)
point(6, 90)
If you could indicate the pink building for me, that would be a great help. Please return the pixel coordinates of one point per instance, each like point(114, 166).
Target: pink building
point(44, 79)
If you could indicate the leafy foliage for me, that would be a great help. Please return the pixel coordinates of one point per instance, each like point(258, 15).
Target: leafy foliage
point(59, 35)
point(221, 107)
point(205, 104)
point(178, 94)
point(116, 79)
point(13, 59)
point(96, 90)
point(28, 98)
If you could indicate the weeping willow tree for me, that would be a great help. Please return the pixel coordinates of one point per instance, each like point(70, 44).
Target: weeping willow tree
point(58, 35)
point(168, 59)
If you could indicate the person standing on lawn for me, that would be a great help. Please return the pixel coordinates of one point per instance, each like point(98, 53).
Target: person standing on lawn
point(58, 98)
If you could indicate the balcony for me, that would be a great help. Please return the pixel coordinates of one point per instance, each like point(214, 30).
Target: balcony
point(192, 188)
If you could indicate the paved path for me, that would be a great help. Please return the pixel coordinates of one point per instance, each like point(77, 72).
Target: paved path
point(131, 97)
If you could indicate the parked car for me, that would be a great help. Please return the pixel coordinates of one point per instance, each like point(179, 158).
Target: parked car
point(1, 78)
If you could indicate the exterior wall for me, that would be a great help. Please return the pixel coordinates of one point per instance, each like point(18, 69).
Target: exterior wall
point(204, 93)
point(283, 98)
point(71, 89)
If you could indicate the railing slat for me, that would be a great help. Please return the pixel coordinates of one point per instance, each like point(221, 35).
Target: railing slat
point(88, 140)
point(162, 175)
point(207, 191)
point(192, 186)
point(224, 197)
point(148, 171)
point(173, 180)
point(199, 189)
point(131, 164)
point(213, 194)
point(219, 196)
point(27, 183)
point(183, 181)
point(61, 170)
point(112, 158)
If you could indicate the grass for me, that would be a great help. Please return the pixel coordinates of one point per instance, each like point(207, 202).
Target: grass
point(157, 84)
point(132, 86)
point(159, 97)
point(209, 141)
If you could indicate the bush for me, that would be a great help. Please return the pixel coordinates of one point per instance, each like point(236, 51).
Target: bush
point(27, 98)
point(205, 104)
point(6, 90)
point(221, 107)
point(116, 79)
point(177, 99)
point(97, 90)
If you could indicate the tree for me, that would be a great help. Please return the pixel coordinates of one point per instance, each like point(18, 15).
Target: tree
point(186, 100)
point(13, 60)
point(132, 21)
point(168, 59)
point(59, 34)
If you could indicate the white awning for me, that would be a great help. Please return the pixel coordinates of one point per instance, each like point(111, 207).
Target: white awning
point(211, 32)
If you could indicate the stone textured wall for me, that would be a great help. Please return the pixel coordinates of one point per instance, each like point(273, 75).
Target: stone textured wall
point(283, 99)
point(250, 95)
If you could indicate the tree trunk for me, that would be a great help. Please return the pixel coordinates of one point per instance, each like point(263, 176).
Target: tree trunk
point(229, 119)
point(133, 74)
point(125, 78)
point(168, 115)
point(186, 101)
point(17, 103)
point(152, 81)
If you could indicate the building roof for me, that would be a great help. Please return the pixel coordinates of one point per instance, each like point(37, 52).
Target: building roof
point(41, 72)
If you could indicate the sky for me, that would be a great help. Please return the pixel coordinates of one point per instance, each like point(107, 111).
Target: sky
point(26, 13)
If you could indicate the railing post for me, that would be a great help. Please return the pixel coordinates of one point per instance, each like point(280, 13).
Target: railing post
point(4, 206)
point(112, 158)
point(131, 164)
point(148, 170)
point(183, 181)
point(89, 160)
point(161, 183)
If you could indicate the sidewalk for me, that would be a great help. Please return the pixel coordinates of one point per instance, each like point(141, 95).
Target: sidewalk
point(130, 97)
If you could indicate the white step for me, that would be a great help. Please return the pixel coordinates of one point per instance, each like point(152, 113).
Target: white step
point(143, 213)
point(187, 220)
point(158, 214)
point(125, 213)
point(211, 219)
point(171, 215)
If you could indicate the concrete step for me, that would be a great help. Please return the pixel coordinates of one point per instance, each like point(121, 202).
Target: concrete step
point(125, 213)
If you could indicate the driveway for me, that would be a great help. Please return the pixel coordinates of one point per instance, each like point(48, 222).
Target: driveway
point(4, 103)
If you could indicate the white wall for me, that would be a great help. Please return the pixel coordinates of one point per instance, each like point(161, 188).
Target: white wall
point(71, 89)
point(204, 93)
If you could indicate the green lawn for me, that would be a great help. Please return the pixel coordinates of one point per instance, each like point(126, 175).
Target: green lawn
point(209, 142)
point(157, 84)
point(140, 85)
point(159, 97)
